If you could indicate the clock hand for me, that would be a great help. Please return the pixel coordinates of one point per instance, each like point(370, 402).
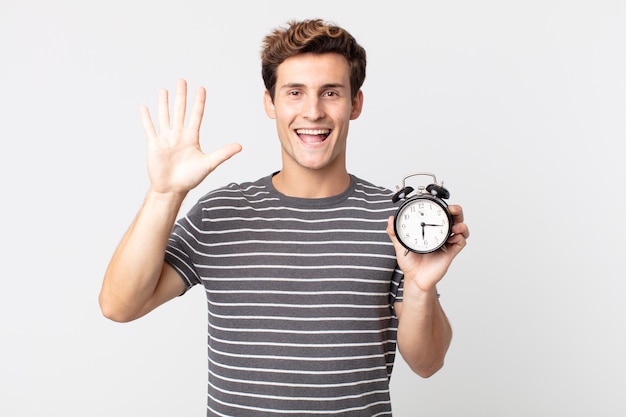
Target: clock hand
point(428, 224)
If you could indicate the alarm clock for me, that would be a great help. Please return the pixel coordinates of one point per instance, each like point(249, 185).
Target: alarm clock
point(422, 223)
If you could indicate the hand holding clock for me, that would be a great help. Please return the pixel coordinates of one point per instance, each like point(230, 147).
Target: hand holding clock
point(427, 269)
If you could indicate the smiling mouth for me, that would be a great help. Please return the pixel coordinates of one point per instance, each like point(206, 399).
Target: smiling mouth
point(313, 135)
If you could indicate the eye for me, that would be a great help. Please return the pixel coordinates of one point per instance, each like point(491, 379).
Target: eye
point(294, 93)
point(330, 94)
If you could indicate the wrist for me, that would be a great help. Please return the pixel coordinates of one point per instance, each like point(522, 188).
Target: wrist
point(165, 198)
point(167, 204)
point(412, 290)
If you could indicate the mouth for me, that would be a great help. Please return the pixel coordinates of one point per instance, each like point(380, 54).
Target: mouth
point(313, 136)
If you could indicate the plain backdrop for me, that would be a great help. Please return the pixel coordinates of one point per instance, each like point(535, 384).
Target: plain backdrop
point(518, 106)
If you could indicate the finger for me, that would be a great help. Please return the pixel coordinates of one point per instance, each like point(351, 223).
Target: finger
point(456, 243)
point(146, 120)
point(457, 212)
point(198, 109)
point(163, 111)
point(180, 104)
point(461, 229)
point(222, 154)
point(391, 231)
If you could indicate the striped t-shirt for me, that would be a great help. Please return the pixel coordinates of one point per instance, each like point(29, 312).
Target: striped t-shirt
point(299, 294)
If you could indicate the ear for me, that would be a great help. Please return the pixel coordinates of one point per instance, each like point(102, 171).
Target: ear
point(357, 105)
point(270, 110)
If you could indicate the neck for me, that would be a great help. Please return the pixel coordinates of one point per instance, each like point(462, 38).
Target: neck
point(311, 183)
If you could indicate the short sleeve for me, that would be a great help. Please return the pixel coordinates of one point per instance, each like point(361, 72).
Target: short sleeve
point(397, 286)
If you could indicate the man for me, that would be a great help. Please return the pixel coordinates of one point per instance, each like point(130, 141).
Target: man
point(308, 289)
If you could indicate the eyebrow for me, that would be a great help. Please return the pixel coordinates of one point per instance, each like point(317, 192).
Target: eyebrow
point(324, 86)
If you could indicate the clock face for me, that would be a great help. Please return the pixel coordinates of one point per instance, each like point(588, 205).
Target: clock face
point(422, 224)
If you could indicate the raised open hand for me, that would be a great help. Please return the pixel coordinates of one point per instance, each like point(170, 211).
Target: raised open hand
point(176, 163)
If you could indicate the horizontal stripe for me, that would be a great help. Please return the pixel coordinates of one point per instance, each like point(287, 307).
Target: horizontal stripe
point(298, 411)
point(355, 371)
point(339, 398)
point(297, 345)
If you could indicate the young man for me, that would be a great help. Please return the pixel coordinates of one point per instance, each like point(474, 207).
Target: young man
point(308, 289)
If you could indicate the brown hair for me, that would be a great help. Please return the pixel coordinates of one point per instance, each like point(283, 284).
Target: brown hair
point(311, 36)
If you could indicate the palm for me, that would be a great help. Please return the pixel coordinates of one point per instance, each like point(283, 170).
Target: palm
point(176, 162)
point(427, 269)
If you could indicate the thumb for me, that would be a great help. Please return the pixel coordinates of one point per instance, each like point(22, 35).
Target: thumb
point(391, 232)
point(216, 158)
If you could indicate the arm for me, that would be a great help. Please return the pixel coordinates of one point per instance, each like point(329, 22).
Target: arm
point(137, 279)
point(424, 333)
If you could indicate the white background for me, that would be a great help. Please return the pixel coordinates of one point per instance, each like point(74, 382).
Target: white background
point(518, 106)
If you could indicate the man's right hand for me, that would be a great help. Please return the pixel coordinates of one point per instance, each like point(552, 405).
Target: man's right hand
point(176, 163)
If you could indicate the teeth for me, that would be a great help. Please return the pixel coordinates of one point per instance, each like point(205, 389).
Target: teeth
point(312, 131)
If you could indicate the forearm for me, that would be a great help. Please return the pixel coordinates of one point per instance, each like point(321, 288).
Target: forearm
point(424, 332)
point(135, 267)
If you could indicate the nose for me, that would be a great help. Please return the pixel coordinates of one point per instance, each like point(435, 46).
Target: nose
point(312, 108)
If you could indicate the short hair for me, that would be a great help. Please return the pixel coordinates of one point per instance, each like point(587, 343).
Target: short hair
point(311, 36)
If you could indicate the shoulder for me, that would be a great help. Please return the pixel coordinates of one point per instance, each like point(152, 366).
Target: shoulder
point(371, 193)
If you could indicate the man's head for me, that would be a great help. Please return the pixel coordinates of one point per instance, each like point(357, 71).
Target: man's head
point(311, 36)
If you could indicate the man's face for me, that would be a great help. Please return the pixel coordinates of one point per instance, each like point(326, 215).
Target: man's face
point(313, 108)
